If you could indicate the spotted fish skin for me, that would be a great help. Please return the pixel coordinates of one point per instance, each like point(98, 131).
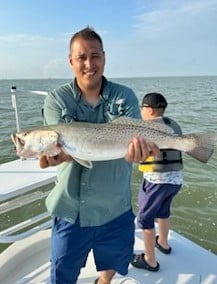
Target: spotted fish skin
point(87, 142)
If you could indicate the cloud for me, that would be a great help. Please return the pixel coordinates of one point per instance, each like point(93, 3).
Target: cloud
point(30, 55)
point(25, 40)
point(177, 19)
point(56, 66)
point(170, 38)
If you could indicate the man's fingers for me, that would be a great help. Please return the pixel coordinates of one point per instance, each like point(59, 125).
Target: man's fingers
point(47, 161)
point(139, 150)
point(43, 162)
point(153, 149)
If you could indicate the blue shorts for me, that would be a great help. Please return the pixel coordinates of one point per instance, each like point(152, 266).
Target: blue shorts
point(154, 202)
point(112, 246)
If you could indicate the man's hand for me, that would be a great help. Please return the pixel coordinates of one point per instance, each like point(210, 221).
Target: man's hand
point(139, 150)
point(46, 161)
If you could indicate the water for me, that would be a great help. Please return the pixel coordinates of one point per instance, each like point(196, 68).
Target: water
point(192, 102)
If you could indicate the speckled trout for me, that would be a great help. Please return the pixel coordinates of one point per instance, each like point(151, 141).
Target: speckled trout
point(87, 142)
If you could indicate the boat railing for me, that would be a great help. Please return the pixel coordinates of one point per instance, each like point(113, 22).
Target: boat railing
point(20, 181)
point(15, 102)
point(6, 236)
point(24, 228)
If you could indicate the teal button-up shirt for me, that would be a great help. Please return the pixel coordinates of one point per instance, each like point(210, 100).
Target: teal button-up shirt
point(102, 193)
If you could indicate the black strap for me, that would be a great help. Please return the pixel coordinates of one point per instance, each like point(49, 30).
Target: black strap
point(166, 120)
point(163, 162)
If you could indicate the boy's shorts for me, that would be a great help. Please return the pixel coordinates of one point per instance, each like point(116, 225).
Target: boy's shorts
point(154, 202)
point(112, 246)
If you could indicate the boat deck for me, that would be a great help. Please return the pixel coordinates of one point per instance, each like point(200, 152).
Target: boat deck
point(27, 261)
point(20, 176)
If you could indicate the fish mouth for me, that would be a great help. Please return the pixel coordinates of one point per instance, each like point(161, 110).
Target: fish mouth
point(18, 142)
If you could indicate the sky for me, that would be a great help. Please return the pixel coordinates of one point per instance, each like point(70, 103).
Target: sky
point(142, 38)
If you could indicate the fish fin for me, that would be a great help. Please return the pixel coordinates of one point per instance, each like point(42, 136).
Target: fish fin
point(155, 124)
point(204, 145)
point(84, 163)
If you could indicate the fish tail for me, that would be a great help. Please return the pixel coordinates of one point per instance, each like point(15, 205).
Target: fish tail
point(203, 145)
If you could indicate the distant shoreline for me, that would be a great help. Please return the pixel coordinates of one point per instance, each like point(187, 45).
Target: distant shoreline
point(115, 78)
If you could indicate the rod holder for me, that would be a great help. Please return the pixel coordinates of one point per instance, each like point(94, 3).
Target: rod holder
point(15, 105)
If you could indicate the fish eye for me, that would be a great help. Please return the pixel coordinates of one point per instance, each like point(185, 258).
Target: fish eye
point(26, 133)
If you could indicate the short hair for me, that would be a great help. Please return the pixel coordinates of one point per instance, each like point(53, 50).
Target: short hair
point(87, 33)
point(154, 100)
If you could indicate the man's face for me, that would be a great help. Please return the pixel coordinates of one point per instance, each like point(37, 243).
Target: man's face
point(87, 60)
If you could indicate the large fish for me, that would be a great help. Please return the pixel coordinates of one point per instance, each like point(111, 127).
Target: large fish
point(87, 142)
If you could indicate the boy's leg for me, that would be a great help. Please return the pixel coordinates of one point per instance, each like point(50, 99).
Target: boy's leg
point(164, 226)
point(149, 243)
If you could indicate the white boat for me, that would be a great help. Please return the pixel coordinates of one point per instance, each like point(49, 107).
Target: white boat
point(26, 260)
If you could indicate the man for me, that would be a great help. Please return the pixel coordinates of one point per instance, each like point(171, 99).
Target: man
point(162, 181)
point(91, 207)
